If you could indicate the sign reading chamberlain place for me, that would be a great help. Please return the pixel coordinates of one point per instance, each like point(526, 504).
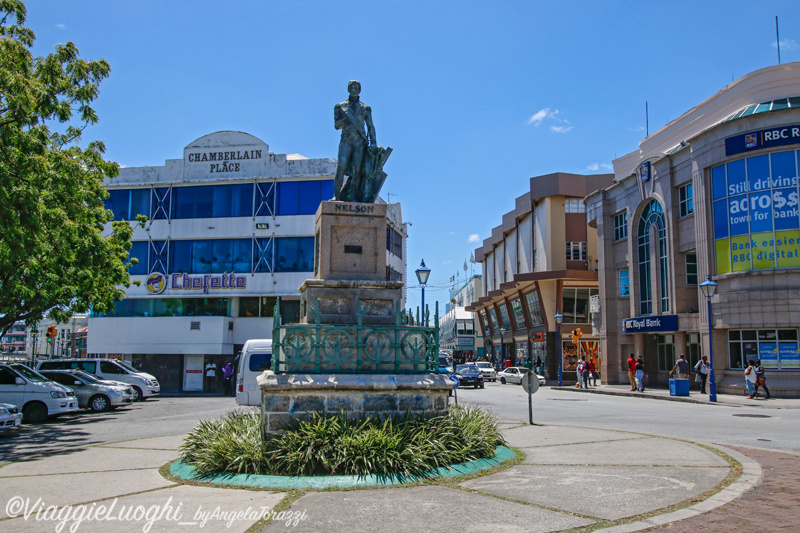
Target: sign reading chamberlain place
point(650, 323)
point(762, 139)
point(756, 213)
point(226, 161)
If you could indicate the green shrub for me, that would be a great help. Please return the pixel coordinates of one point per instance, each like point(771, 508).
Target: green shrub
point(337, 445)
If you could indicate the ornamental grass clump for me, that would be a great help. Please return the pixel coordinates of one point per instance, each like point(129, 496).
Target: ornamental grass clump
point(326, 444)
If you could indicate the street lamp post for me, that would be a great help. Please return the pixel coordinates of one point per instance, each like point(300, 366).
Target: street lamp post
point(559, 317)
point(709, 288)
point(422, 276)
point(502, 349)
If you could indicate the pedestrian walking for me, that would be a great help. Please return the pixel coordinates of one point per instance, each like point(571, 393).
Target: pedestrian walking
point(750, 379)
point(586, 371)
point(211, 376)
point(579, 372)
point(593, 371)
point(701, 373)
point(227, 375)
point(761, 379)
point(682, 366)
point(640, 373)
point(538, 364)
point(632, 371)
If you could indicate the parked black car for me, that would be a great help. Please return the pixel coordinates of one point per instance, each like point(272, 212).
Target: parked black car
point(469, 375)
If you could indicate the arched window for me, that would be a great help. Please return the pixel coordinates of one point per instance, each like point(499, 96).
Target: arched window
point(653, 214)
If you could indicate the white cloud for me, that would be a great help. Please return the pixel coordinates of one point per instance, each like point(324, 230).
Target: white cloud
point(452, 233)
point(550, 115)
point(594, 167)
point(474, 238)
point(539, 116)
point(787, 44)
point(636, 128)
point(60, 26)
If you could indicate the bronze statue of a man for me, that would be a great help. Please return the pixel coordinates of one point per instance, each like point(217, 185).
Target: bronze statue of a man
point(360, 157)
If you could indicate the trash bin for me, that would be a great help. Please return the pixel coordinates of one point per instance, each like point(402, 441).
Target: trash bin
point(679, 387)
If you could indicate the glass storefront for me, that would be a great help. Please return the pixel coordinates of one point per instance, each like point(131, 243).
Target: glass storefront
point(777, 348)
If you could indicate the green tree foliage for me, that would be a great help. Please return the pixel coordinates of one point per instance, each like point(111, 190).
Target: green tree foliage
point(56, 258)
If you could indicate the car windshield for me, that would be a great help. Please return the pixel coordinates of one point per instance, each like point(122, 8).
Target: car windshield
point(467, 368)
point(483, 365)
point(127, 367)
point(31, 375)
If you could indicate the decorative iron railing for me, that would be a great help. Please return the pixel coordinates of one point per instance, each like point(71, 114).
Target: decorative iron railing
point(401, 348)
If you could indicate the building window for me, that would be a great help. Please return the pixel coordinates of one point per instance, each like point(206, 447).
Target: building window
point(394, 242)
point(653, 214)
point(666, 352)
point(777, 349)
point(534, 308)
point(576, 304)
point(576, 250)
point(691, 269)
point(302, 197)
point(621, 226)
point(624, 282)
point(504, 315)
point(519, 318)
point(574, 205)
point(686, 199)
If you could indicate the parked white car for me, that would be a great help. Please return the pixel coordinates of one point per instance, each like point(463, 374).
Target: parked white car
point(10, 418)
point(514, 374)
point(143, 384)
point(91, 392)
point(487, 370)
point(38, 396)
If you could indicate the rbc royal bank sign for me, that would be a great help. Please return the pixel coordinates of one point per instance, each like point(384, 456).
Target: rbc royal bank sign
point(647, 324)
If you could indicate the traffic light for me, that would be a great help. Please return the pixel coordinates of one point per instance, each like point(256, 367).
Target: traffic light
point(576, 335)
point(51, 333)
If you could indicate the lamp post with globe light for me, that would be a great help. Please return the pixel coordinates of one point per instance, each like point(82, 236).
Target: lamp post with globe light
point(709, 288)
point(422, 276)
point(559, 317)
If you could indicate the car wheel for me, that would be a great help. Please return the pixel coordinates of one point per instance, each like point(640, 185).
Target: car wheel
point(34, 413)
point(503, 381)
point(99, 403)
point(137, 395)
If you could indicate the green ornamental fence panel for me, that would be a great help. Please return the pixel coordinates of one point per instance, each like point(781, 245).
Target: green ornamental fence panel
point(406, 347)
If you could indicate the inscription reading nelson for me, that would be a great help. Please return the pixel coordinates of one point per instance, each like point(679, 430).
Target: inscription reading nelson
point(224, 161)
point(354, 208)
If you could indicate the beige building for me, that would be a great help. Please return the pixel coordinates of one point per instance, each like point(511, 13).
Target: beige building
point(540, 260)
point(712, 193)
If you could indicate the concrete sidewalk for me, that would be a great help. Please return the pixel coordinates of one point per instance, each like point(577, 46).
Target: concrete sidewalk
point(694, 396)
point(570, 478)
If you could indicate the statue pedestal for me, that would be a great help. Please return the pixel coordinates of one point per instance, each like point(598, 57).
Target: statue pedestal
point(352, 349)
point(350, 267)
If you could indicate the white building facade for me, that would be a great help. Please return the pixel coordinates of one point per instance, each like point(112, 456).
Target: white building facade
point(230, 229)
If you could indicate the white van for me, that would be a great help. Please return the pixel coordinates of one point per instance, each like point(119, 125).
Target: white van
point(143, 384)
point(35, 394)
point(256, 357)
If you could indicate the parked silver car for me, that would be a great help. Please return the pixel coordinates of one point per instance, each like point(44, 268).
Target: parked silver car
point(92, 393)
point(10, 418)
point(514, 374)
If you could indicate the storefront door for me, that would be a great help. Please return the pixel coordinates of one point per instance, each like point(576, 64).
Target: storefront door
point(193, 372)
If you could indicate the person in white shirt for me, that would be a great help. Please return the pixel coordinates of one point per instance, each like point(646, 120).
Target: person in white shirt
point(211, 376)
point(701, 370)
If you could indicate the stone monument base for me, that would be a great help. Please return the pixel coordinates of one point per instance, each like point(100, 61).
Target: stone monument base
point(339, 301)
point(288, 396)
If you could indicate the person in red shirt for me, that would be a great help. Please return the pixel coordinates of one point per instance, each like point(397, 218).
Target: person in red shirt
point(592, 373)
point(632, 371)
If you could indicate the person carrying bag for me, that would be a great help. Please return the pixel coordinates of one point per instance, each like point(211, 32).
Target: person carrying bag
point(701, 373)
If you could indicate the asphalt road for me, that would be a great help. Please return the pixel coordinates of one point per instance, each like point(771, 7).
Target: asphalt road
point(695, 422)
point(152, 418)
point(724, 425)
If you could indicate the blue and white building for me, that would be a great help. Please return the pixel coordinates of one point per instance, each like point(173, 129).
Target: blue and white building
point(230, 229)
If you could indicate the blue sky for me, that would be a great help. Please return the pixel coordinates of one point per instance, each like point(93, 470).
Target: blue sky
point(474, 97)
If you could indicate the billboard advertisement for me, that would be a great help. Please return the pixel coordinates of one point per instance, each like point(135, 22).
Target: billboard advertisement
point(756, 215)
